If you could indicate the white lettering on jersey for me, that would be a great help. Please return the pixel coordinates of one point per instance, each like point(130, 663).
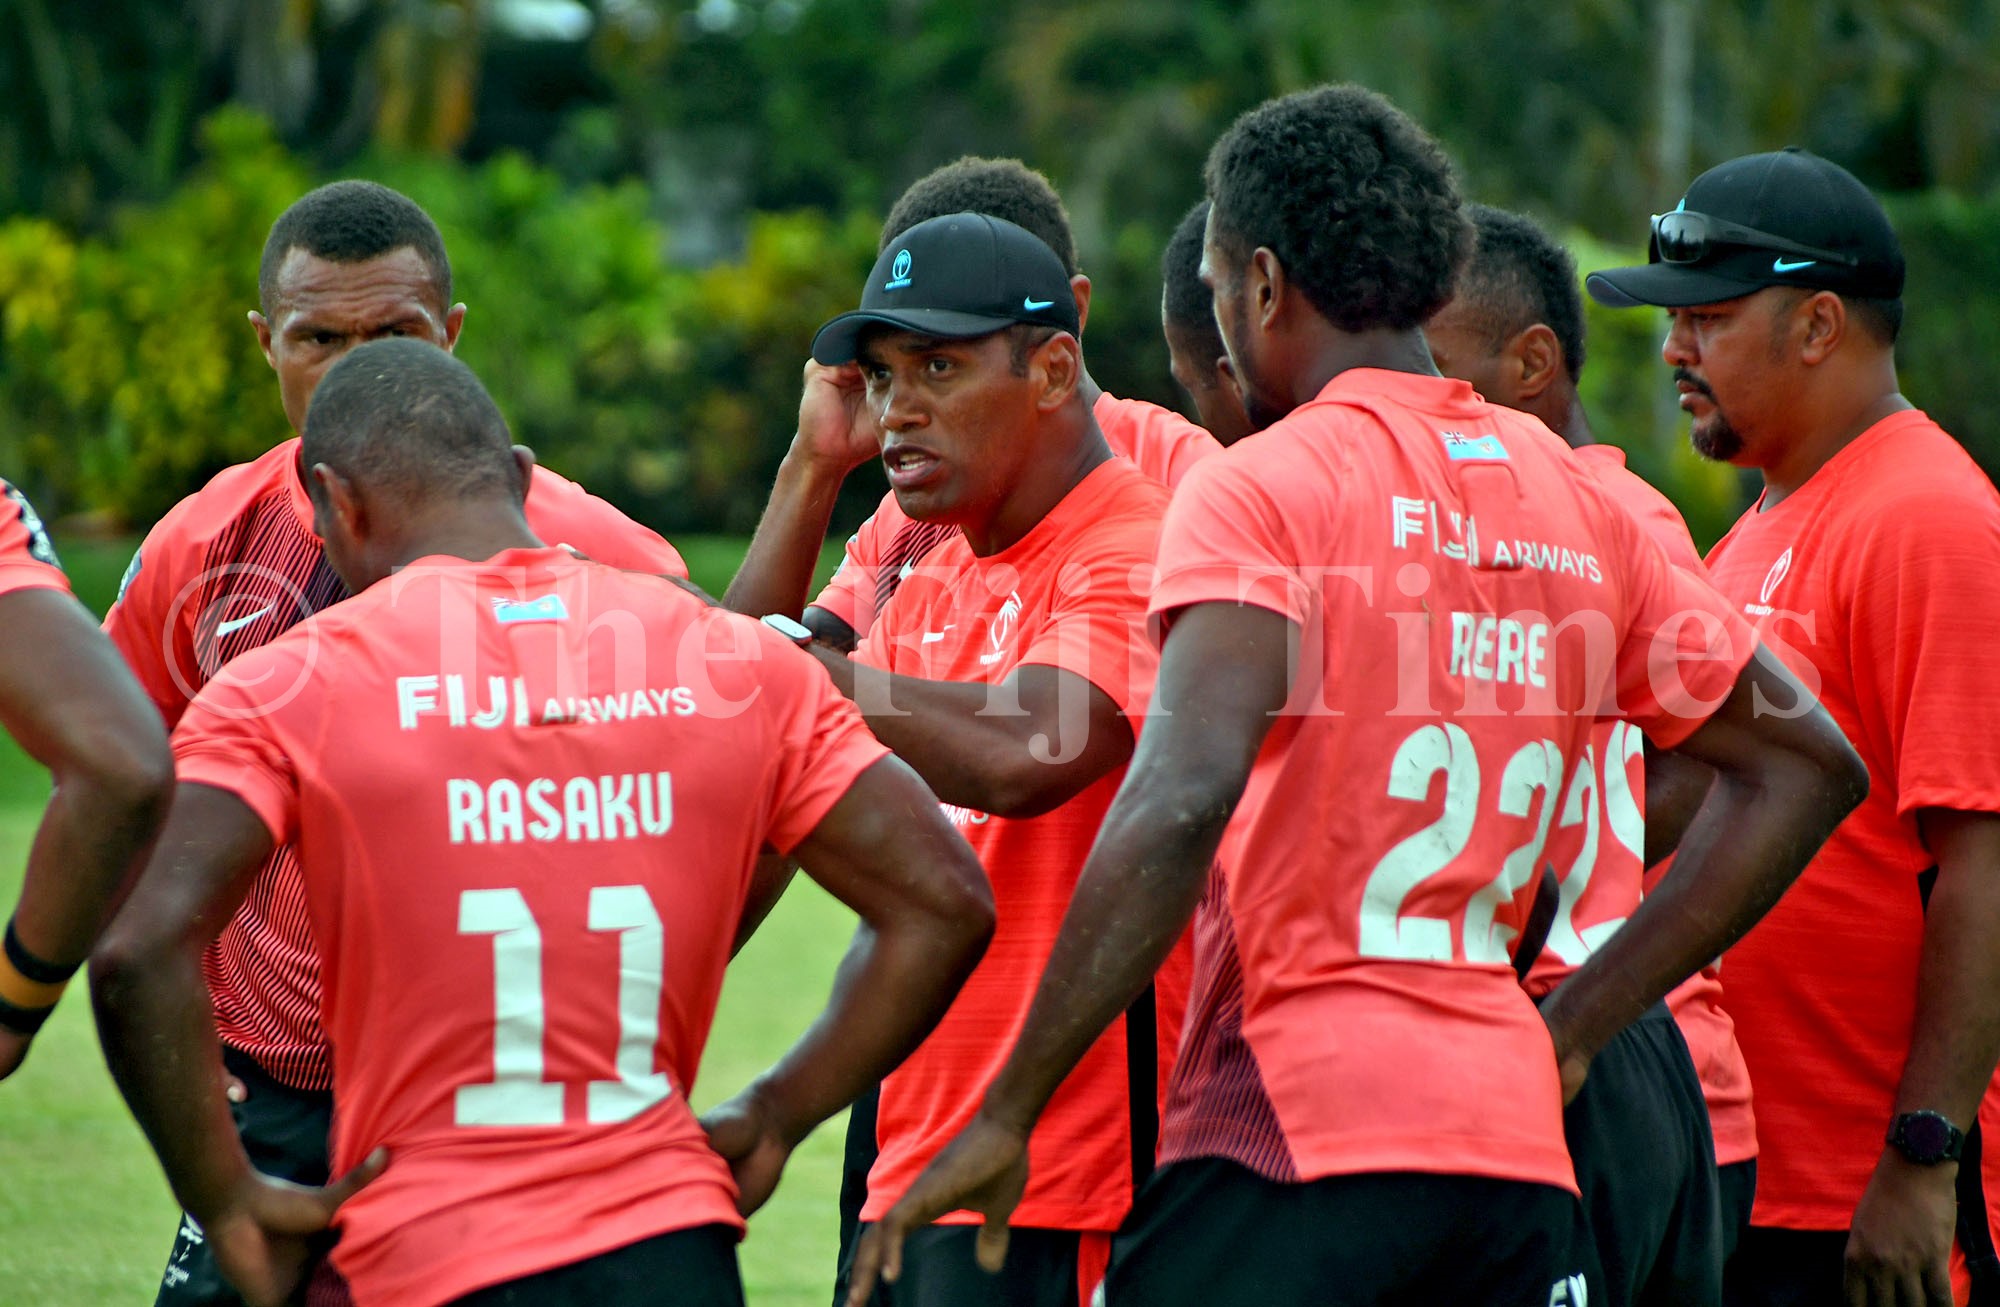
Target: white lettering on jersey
point(1499, 649)
point(507, 702)
point(627, 806)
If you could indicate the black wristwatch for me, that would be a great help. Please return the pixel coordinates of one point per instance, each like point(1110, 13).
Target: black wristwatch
point(1926, 1138)
point(789, 627)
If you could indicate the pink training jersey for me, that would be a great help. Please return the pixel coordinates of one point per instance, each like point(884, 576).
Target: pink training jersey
point(1162, 443)
point(1601, 863)
point(1468, 606)
point(27, 559)
point(527, 796)
point(1071, 595)
point(228, 569)
point(1876, 581)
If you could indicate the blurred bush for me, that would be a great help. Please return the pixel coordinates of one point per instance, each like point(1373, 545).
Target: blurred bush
point(128, 374)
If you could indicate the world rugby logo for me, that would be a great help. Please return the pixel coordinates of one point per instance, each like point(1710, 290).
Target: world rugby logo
point(1776, 574)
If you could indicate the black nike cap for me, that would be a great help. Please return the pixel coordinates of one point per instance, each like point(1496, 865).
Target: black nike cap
point(1787, 218)
point(958, 276)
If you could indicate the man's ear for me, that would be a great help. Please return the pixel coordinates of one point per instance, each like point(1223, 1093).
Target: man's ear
point(1538, 356)
point(338, 502)
point(524, 459)
point(1825, 323)
point(1056, 369)
point(454, 318)
point(1079, 286)
point(262, 326)
point(1266, 289)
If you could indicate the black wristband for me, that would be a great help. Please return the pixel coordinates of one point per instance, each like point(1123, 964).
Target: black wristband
point(23, 1020)
point(42, 973)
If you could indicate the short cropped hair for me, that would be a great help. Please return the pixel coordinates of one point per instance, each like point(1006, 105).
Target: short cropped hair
point(351, 222)
point(999, 188)
point(1354, 198)
point(1883, 318)
point(1517, 276)
point(404, 419)
point(1186, 301)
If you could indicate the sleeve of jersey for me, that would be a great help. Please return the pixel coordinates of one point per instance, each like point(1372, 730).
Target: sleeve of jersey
point(849, 593)
point(27, 560)
point(1225, 540)
point(1167, 445)
point(231, 740)
point(1684, 646)
point(151, 622)
point(1923, 669)
point(1097, 628)
point(563, 513)
point(824, 746)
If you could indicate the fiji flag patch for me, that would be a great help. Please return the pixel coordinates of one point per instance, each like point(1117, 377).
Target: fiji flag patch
point(1462, 448)
point(549, 608)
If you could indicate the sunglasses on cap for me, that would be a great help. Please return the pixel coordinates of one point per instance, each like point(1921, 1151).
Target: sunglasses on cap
point(1686, 237)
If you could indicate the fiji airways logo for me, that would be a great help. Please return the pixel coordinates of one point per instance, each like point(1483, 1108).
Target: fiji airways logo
point(1776, 575)
point(1461, 448)
point(1000, 634)
point(899, 272)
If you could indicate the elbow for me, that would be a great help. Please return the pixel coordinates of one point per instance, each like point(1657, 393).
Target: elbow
point(1024, 787)
point(127, 775)
point(962, 911)
point(1843, 777)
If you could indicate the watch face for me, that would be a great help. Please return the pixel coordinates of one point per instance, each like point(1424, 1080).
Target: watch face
point(1926, 1135)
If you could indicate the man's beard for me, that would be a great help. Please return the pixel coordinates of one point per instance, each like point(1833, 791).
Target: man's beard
point(1717, 441)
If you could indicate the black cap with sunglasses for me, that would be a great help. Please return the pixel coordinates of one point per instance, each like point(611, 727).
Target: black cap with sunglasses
point(1788, 218)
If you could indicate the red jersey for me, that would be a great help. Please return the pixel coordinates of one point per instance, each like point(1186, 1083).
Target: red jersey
point(27, 559)
point(526, 796)
point(1603, 861)
point(882, 551)
point(228, 569)
point(1070, 594)
point(1468, 607)
point(1877, 582)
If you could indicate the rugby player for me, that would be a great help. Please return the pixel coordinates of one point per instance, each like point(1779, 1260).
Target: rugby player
point(237, 564)
point(1376, 658)
point(1868, 1003)
point(1659, 1113)
point(1010, 669)
point(523, 909)
point(1194, 347)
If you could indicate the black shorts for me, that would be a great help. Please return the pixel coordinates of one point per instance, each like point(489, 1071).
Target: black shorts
point(1737, 1184)
point(1645, 1163)
point(284, 1130)
point(688, 1268)
point(1042, 1270)
point(1787, 1268)
point(856, 1162)
point(1210, 1233)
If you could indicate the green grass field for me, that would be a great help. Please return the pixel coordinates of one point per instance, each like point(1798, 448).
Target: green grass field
point(85, 1217)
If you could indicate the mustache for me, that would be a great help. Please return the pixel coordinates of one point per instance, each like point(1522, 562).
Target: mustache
point(1683, 375)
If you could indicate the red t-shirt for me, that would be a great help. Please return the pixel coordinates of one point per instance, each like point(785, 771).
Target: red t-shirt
point(1070, 594)
point(1611, 845)
point(1468, 607)
point(27, 559)
point(526, 797)
point(883, 549)
point(228, 569)
point(1877, 582)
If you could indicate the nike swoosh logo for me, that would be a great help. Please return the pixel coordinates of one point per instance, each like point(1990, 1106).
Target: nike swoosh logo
point(932, 637)
point(1036, 306)
point(227, 628)
point(1787, 265)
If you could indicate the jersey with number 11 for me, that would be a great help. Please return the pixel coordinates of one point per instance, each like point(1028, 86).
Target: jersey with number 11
point(527, 795)
point(1469, 605)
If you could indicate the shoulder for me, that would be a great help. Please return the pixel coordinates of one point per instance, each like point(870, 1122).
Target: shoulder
point(1161, 442)
point(563, 512)
point(211, 511)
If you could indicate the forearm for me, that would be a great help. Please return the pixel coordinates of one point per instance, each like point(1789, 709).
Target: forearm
point(1956, 1040)
point(777, 570)
point(1133, 902)
point(158, 1031)
point(91, 844)
point(973, 746)
point(1675, 788)
point(887, 996)
point(1731, 868)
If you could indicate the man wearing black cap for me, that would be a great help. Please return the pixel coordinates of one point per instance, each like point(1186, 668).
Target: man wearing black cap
point(1868, 1002)
point(1010, 670)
